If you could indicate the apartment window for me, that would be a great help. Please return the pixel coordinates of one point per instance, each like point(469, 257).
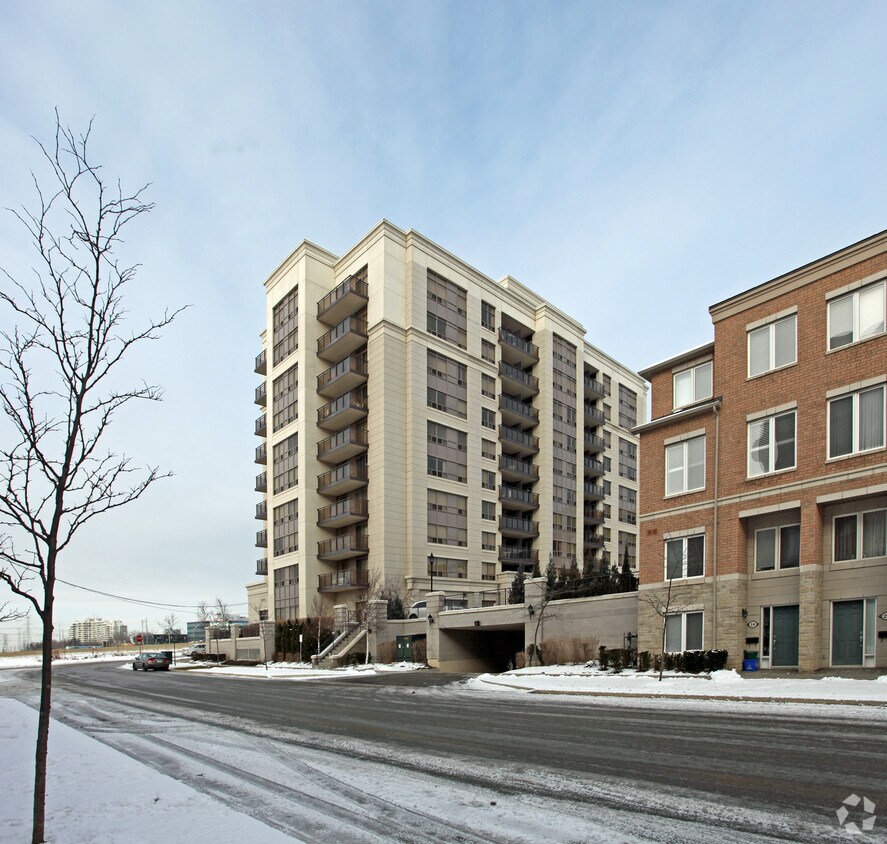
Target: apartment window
point(628, 460)
point(628, 407)
point(487, 571)
point(286, 528)
point(488, 316)
point(628, 505)
point(685, 466)
point(856, 422)
point(683, 632)
point(285, 326)
point(856, 316)
point(447, 390)
point(608, 383)
point(488, 510)
point(772, 346)
point(447, 453)
point(285, 403)
point(778, 548)
point(488, 479)
point(860, 536)
point(685, 557)
point(628, 541)
point(488, 418)
point(487, 386)
point(771, 444)
point(286, 593)
point(692, 385)
point(446, 310)
point(447, 518)
point(285, 465)
point(488, 351)
point(488, 543)
point(448, 567)
point(488, 449)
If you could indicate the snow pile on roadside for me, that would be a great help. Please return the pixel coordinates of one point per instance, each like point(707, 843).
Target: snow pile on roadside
point(35, 660)
point(303, 671)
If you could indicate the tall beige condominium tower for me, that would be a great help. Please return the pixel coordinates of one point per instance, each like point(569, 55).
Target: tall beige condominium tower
point(424, 421)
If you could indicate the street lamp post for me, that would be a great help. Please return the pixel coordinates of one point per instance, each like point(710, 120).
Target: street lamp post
point(431, 570)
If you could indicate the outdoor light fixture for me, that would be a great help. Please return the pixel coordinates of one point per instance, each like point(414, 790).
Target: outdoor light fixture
point(430, 618)
point(477, 623)
point(431, 570)
point(531, 610)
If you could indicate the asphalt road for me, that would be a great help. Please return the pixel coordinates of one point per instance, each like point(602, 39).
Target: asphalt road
point(771, 761)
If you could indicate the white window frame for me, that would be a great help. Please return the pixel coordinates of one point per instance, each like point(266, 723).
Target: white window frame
point(771, 447)
point(770, 327)
point(692, 371)
point(860, 536)
point(684, 445)
point(683, 643)
point(777, 551)
point(684, 556)
point(855, 422)
point(854, 296)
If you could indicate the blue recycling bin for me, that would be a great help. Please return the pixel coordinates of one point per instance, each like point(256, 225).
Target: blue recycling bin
point(749, 665)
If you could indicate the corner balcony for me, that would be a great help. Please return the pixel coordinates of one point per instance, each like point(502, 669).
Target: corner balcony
point(262, 482)
point(261, 394)
point(343, 479)
point(343, 445)
point(515, 412)
point(261, 426)
point(593, 444)
point(593, 389)
point(513, 469)
point(261, 364)
point(262, 511)
point(594, 492)
point(262, 538)
point(517, 440)
point(593, 416)
point(345, 375)
point(343, 547)
point(516, 382)
point(349, 511)
point(517, 350)
point(339, 342)
point(593, 467)
point(518, 528)
point(518, 499)
point(346, 298)
point(516, 554)
point(339, 581)
point(262, 454)
point(262, 566)
point(343, 411)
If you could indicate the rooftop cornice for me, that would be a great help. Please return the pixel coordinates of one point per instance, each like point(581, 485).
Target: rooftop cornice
point(679, 415)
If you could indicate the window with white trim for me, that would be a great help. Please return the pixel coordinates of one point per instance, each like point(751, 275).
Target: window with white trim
point(692, 385)
point(778, 548)
point(771, 444)
point(856, 422)
point(685, 466)
point(860, 536)
point(683, 632)
point(856, 316)
point(685, 557)
point(772, 346)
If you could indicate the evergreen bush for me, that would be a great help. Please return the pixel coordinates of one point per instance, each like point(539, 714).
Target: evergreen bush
point(643, 661)
point(603, 657)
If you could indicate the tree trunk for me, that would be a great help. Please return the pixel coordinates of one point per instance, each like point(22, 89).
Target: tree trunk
point(39, 824)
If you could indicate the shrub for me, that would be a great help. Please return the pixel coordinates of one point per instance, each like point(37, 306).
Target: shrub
point(555, 652)
point(603, 657)
point(693, 661)
point(617, 656)
point(420, 650)
point(520, 660)
point(657, 662)
point(387, 652)
point(643, 661)
point(715, 660)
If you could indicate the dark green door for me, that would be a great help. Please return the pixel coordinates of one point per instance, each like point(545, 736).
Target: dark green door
point(785, 636)
point(847, 633)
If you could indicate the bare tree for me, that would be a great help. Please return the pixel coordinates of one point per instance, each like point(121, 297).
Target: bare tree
point(169, 623)
point(8, 613)
point(673, 601)
point(62, 388)
point(204, 611)
point(369, 591)
point(221, 612)
point(319, 611)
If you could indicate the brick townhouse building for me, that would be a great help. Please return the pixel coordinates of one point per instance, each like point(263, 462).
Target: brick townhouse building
point(763, 503)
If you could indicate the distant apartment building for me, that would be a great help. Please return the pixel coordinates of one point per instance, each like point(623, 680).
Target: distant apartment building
point(428, 423)
point(764, 502)
point(97, 631)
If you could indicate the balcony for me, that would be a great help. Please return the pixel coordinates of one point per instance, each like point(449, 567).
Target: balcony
point(343, 411)
point(343, 479)
point(515, 412)
point(261, 426)
point(261, 366)
point(262, 482)
point(516, 349)
point(593, 416)
point(594, 491)
point(339, 342)
point(262, 510)
point(593, 467)
point(346, 298)
point(349, 511)
point(519, 528)
point(342, 547)
point(594, 542)
point(339, 581)
point(516, 382)
point(593, 516)
point(346, 375)
point(593, 389)
point(262, 566)
point(262, 454)
point(262, 538)
point(593, 444)
point(343, 445)
point(518, 499)
point(516, 554)
point(524, 444)
point(261, 394)
point(513, 469)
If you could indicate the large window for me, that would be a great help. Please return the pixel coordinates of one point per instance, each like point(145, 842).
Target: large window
point(692, 385)
point(772, 346)
point(628, 407)
point(685, 557)
point(488, 351)
point(448, 567)
point(628, 505)
point(856, 316)
point(488, 418)
point(447, 453)
point(778, 548)
point(685, 466)
point(446, 310)
point(286, 593)
point(286, 528)
point(628, 460)
point(285, 466)
point(856, 422)
point(860, 536)
point(285, 326)
point(285, 402)
point(683, 632)
point(447, 518)
point(771, 444)
point(488, 316)
point(447, 390)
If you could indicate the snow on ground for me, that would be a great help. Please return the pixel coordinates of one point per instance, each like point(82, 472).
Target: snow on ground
point(299, 671)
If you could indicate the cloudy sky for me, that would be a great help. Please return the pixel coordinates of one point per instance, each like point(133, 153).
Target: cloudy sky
point(652, 158)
